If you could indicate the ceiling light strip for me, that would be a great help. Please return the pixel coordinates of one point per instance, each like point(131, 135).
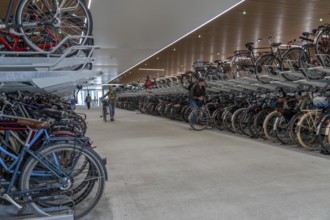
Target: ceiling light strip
point(148, 69)
point(179, 38)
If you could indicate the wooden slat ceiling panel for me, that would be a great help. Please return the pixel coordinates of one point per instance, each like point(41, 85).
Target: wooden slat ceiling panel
point(284, 20)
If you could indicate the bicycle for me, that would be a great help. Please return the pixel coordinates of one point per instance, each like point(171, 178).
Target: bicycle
point(41, 25)
point(61, 176)
point(202, 117)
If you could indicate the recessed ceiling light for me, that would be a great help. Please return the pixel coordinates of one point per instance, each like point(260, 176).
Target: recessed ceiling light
point(218, 54)
point(259, 39)
point(244, 12)
point(157, 58)
point(174, 49)
point(199, 36)
point(321, 19)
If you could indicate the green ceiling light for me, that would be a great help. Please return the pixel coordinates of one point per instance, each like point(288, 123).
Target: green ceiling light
point(321, 19)
point(174, 49)
point(244, 12)
point(199, 36)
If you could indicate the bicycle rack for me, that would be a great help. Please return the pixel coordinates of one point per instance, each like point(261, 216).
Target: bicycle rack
point(47, 70)
point(318, 84)
point(48, 61)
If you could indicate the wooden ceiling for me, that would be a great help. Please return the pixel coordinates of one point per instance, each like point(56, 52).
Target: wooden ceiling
point(284, 20)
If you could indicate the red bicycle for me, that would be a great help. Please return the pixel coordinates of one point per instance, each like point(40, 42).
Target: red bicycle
point(41, 25)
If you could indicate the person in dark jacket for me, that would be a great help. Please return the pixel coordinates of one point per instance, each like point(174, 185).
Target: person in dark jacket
point(197, 95)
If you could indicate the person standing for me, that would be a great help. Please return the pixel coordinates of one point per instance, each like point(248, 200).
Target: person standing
point(112, 97)
point(197, 95)
point(88, 101)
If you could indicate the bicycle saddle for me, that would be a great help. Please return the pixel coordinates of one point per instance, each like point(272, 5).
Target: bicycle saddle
point(276, 44)
point(305, 34)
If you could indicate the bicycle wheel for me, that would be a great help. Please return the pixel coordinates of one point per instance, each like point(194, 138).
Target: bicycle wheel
point(199, 119)
point(256, 129)
point(217, 115)
point(73, 188)
point(322, 44)
point(268, 126)
point(242, 65)
point(323, 134)
point(226, 119)
point(246, 121)
point(281, 130)
point(290, 61)
point(293, 127)
point(187, 113)
point(266, 59)
point(306, 131)
point(44, 24)
point(235, 119)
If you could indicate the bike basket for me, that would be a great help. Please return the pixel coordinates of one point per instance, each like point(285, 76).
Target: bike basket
point(198, 64)
point(320, 102)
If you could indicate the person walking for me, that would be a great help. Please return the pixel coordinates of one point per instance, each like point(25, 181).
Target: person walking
point(88, 101)
point(112, 97)
point(197, 95)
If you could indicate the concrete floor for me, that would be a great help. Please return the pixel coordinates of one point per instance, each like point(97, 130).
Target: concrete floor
point(161, 170)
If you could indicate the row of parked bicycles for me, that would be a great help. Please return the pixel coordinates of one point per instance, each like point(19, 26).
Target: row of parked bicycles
point(300, 118)
point(48, 166)
point(278, 93)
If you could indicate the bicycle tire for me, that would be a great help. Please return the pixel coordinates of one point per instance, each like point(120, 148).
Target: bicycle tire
point(322, 42)
point(202, 119)
point(43, 35)
point(30, 181)
point(217, 115)
point(256, 129)
point(293, 127)
point(324, 134)
point(268, 126)
point(235, 120)
point(281, 130)
point(266, 59)
point(306, 133)
point(246, 120)
point(291, 56)
point(226, 119)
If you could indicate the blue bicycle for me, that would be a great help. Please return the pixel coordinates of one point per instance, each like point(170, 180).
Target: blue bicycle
point(58, 176)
